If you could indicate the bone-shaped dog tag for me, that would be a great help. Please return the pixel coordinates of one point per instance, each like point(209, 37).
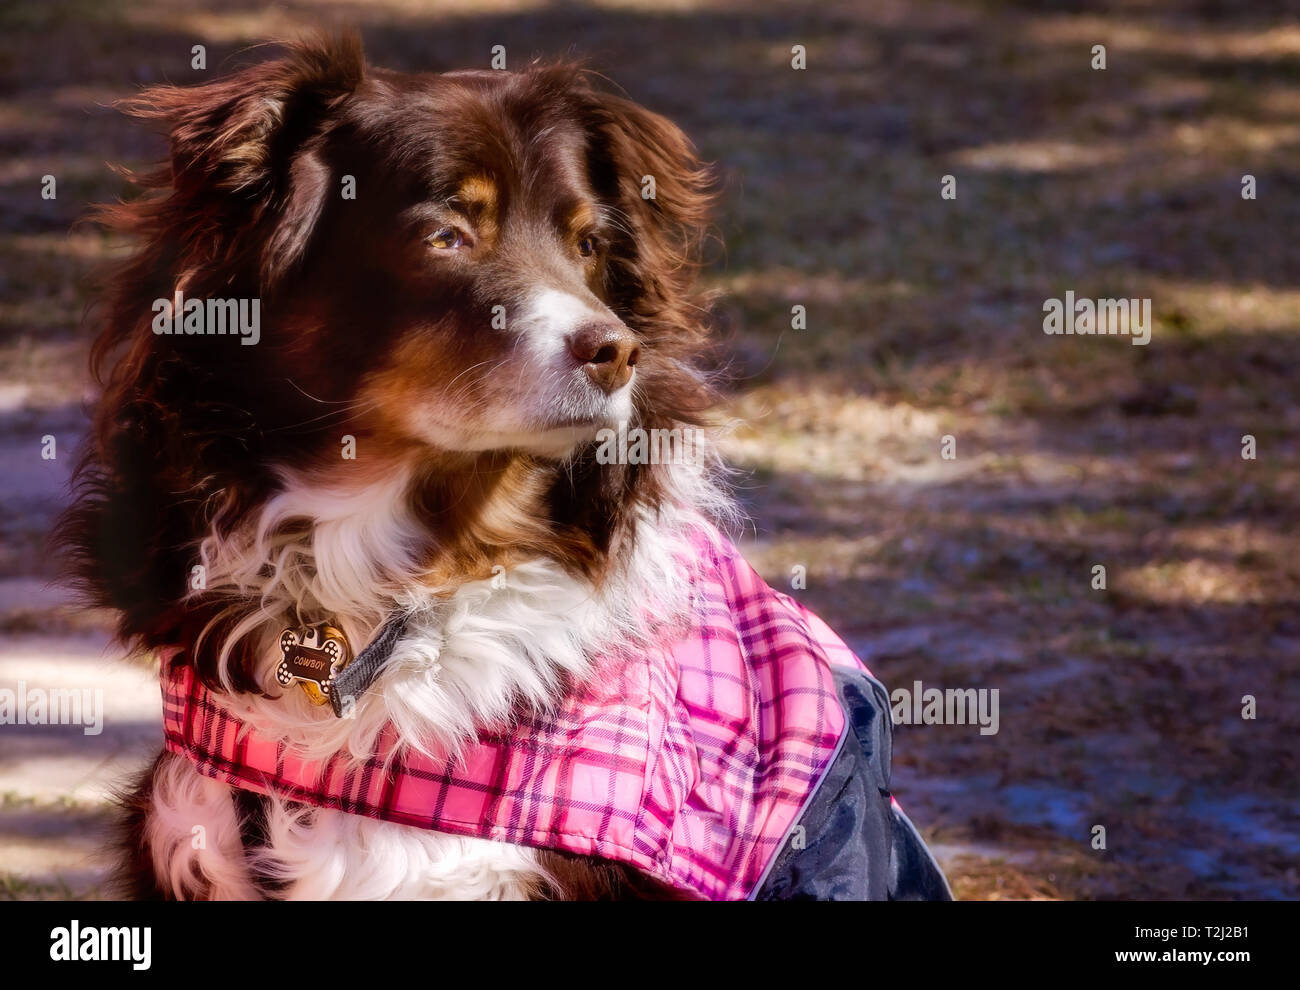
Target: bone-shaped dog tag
point(312, 656)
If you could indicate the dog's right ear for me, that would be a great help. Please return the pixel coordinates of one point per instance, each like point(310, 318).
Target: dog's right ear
point(250, 142)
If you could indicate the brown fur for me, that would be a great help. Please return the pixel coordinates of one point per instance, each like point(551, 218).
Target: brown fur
point(578, 878)
point(188, 431)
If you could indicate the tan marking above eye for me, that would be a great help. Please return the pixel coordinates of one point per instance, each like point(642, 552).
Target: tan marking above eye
point(478, 193)
point(477, 198)
point(581, 220)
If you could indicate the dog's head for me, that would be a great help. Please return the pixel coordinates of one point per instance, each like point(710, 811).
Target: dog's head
point(468, 270)
point(488, 259)
point(510, 250)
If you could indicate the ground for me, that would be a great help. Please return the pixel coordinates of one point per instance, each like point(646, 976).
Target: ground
point(1119, 707)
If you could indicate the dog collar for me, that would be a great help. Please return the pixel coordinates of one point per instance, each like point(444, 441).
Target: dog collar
point(319, 659)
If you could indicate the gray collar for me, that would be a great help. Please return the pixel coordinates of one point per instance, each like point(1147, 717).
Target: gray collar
point(353, 680)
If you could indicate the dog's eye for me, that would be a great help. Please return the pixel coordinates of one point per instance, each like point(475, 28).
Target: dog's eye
point(446, 239)
point(587, 246)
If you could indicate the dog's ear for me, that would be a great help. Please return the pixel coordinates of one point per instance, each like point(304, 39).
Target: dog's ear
point(645, 163)
point(246, 149)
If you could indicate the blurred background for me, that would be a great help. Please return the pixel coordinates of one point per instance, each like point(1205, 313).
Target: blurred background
point(1120, 707)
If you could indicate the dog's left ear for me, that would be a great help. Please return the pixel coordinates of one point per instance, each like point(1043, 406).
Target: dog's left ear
point(245, 149)
point(651, 169)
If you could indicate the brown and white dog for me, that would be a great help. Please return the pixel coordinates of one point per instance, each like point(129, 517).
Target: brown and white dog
point(460, 282)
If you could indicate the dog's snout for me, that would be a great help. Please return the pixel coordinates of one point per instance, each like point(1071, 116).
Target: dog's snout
point(607, 352)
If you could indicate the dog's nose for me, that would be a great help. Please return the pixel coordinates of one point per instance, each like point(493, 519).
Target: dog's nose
point(608, 352)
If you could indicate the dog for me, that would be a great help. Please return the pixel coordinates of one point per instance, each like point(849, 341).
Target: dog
point(462, 281)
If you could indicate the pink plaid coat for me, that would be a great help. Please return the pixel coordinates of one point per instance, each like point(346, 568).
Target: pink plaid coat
point(692, 762)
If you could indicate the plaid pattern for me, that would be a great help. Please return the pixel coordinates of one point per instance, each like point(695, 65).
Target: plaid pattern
point(692, 762)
